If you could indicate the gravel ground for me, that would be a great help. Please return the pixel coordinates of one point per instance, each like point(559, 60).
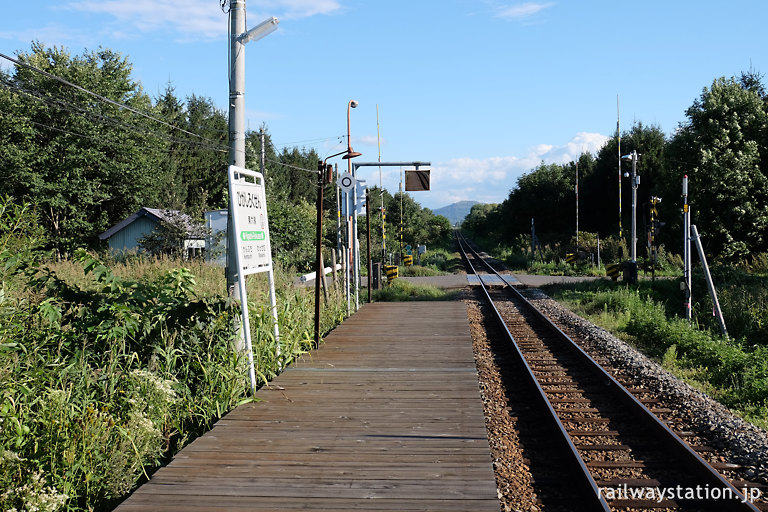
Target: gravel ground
point(736, 440)
point(513, 477)
point(740, 441)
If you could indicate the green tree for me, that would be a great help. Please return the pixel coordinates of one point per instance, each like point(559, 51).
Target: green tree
point(476, 222)
point(85, 163)
point(599, 190)
point(722, 149)
point(544, 194)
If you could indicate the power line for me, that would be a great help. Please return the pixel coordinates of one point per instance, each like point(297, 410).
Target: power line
point(100, 97)
point(61, 130)
point(74, 109)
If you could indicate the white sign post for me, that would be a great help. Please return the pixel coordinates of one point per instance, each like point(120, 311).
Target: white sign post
point(252, 247)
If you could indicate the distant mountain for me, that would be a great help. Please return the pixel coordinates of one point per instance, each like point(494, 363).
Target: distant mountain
point(456, 212)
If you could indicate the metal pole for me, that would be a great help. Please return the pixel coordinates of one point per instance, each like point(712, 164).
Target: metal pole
point(713, 294)
point(236, 135)
point(271, 273)
point(263, 151)
point(577, 207)
point(338, 211)
point(401, 213)
point(370, 263)
point(635, 183)
point(347, 252)
point(618, 136)
point(381, 193)
point(686, 248)
point(355, 246)
point(598, 251)
point(318, 249)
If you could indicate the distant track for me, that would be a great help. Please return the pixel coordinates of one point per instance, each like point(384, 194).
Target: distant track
point(614, 444)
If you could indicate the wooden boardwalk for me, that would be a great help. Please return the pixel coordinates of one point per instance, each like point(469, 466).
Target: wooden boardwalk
point(386, 415)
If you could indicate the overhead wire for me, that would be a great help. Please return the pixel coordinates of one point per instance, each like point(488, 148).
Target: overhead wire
point(67, 106)
point(72, 108)
point(99, 96)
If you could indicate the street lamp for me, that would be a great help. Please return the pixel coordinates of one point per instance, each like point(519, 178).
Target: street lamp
point(236, 78)
point(319, 270)
point(350, 152)
point(355, 246)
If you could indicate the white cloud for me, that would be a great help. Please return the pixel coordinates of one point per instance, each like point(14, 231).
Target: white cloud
point(491, 179)
point(293, 9)
point(49, 35)
point(523, 11)
point(193, 20)
point(366, 140)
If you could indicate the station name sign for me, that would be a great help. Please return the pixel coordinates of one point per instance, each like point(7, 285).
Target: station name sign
point(250, 221)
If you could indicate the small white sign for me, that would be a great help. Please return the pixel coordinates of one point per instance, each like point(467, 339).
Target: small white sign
point(250, 221)
point(251, 227)
point(346, 181)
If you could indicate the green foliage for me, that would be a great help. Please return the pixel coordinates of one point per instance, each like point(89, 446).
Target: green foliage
point(401, 290)
point(734, 370)
point(722, 148)
point(293, 228)
point(102, 381)
point(85, 163)
point(419, 227)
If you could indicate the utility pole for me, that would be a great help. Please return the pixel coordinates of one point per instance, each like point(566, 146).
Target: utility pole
point(370, 263)
point(239, 37)
point(577, 208)
point(236, 128)
point(321, 170)
point(618, 136)
point(263, 151)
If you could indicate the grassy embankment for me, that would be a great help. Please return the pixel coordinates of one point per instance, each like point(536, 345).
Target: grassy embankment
point(732, 370)
point(435, 263)
point(106, 370)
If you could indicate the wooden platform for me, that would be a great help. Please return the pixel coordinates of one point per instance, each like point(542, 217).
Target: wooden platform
point(386, 415)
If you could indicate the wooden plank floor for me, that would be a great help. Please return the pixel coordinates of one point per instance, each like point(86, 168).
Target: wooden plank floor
point(386, 415)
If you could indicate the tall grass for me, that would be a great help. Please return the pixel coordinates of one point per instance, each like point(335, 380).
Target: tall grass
point(108, 370)
point(400, 290)
point(733, 370)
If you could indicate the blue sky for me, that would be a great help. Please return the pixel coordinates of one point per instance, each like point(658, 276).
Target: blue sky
point(483, 89)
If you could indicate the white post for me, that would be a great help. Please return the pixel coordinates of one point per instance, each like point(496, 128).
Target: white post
point(355, 243)
point(712, 293)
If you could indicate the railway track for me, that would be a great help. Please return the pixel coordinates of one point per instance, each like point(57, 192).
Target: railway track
point(614, 447)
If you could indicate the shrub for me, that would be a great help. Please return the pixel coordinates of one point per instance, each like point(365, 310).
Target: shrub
point(103, 378)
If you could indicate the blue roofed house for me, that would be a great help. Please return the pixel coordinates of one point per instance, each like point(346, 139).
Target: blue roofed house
point(125, 235)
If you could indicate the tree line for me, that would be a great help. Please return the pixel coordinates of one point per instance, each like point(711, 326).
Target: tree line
point(722, 147)
point(89, 156)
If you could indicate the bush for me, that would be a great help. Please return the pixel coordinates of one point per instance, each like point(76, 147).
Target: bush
point(103, 380)
point(735, 371)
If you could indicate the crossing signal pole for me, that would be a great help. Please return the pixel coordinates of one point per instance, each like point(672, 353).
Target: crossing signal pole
point(655, 224)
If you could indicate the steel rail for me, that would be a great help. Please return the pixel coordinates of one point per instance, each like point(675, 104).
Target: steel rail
point(678, 448)
point(591, 491)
